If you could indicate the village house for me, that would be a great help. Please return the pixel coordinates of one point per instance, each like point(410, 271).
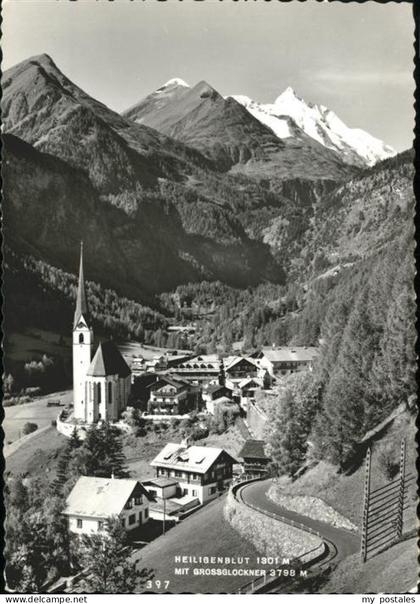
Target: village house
point(253, 456)
point(201, 472)
point(168, 501)
point(238, 368)
point(245, 390)
point(95, 500)
point(224, 403)
point(101, 386)
point(200, 369)
point(138, 366)
point(284, 359)
point(212, 392)
point(159, 362)
point(170, 395)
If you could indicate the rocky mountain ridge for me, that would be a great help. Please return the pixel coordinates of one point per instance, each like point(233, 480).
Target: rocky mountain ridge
point(228, 134)
point(291, 117)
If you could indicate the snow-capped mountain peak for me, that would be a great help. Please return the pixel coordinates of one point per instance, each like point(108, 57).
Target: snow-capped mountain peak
point(290, 116)
point(175, 82)
point(289, 93)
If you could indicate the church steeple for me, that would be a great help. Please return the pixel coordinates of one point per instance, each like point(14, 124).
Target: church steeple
point(81, 303)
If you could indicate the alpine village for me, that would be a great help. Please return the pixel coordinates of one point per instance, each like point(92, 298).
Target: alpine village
point(210, 363)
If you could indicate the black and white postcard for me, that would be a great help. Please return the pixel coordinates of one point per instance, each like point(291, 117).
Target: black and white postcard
point(209, 304)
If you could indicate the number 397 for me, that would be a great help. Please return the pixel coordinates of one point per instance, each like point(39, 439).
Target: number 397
point(157, 584)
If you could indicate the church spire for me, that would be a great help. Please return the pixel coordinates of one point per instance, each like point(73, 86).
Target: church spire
point(81, 303)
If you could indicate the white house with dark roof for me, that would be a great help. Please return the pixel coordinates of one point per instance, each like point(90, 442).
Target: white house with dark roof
point(94, 500)
point(201, 472)
point(283, 360)
point(101, 385)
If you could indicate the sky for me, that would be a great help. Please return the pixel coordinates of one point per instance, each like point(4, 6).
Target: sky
point(357, 59)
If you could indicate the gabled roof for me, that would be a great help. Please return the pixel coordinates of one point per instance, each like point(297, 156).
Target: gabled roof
point(101, 497)
point(253, 448)
point(193, 459)
point(237, 360)
point(171, 380)
point(161, 482)
point(249, 380)
point(108, 361)
point(223, 400)
point(290, 353)
point(211, 388)
point(81, 310)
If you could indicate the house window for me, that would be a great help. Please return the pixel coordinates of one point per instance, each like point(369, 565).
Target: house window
point(146, 513)
point(79, 523)
point(81, 339)
point(194, 493)
point(100, 525)
point(98, 393)
point(129, 504)
point(132, 519)
point(212, 490)
point(138, 500)
point(178, 474)
point(109, 393)
point(122, 521)
point(184, 492)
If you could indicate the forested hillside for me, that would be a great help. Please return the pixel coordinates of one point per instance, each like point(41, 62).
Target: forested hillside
point(366, 366)
point(45, 295)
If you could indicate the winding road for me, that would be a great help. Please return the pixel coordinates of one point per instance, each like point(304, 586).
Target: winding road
point(345, 541)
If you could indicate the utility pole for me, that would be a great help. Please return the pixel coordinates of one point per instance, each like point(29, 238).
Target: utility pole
point(164, 515)
point(366, 494)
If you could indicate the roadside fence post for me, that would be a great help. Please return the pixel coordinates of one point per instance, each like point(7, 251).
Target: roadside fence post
point(366, 495)
point(401, 491)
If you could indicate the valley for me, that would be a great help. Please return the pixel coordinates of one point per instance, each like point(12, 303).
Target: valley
point(238, 259)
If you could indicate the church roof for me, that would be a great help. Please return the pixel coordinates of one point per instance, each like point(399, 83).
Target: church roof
point(108, 361)
point(81, 309)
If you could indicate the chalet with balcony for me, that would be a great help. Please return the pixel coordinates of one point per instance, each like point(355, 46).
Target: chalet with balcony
point(238, 368)
point(201, 472)
point(95, 500)
point(171, 395)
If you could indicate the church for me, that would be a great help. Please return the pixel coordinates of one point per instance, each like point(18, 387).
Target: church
point(101, 385)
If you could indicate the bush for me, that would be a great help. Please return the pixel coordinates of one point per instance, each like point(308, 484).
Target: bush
point(199, 432)
point(387, 462)
point(16, 400)
point(29, 427)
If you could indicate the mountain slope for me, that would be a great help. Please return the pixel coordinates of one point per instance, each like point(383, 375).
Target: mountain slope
point(123, 174)
point(290, 117)
point(225, 132)
point(50, 206)
point(44, 108)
